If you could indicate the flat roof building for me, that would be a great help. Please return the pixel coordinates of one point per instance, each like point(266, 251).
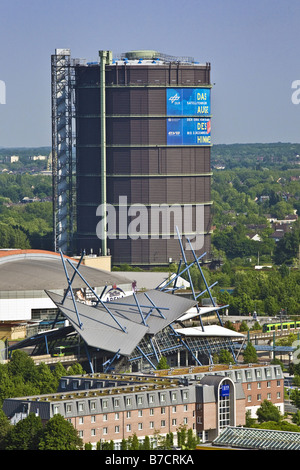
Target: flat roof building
point(115, 406)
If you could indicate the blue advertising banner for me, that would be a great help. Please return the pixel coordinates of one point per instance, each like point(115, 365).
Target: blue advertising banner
point(188, 102)
point(225, 391)
point(188, 131)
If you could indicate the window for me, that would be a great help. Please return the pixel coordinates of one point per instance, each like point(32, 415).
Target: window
point(174, 396)
point(151, 399)
point(269, 396)
point(104, 417)
point(93, 419)
point(278, 395)
point(117, 402)
point(93, 432)
point(80, 420)
point(105, 431)
point(140, 413)
point(56, 409)
point(174, 422)
point(80, 406)
point(163, 423)
point(151, 411)
point(185, 420)
point(117, 429)
point(185, 395)
point(248, 386)
point(249, 398)
point(140, 400)
point(185, 408)
point(163, 398)
point(173, 409)
point(128, 401)
point(68, 408)
point(268, 384)
point(93, 405)
point(117, 416)
point(151, 424)
point(258, 397)
point(128, 427)
point(80, 433)
point(163, 410)
point(258, 385)
point(140, 426)
point(128, 414)
point(104, 404)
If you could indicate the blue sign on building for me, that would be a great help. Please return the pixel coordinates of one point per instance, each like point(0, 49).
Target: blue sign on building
point(224, 392)
point(188, 131)
point(188, 102)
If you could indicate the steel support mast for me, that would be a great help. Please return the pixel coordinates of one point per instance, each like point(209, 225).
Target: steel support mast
point(62, 160)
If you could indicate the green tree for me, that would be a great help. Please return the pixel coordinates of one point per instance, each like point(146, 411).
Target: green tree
point(5, 428)
point(59, 434)
point(146, 443)
point(45, 379)
point(296, 418)
point(25, 434)
point(250, 354)
point(268, 412)
point(163, 363)
point(225, 357)
point(133, 442)
point(75, 369)
point(192, 440)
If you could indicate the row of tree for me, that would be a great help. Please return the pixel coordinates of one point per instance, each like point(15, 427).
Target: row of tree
point(246, 290)
point(31, 434)
point(22, 377)
point(26, 226)
point(186, 440)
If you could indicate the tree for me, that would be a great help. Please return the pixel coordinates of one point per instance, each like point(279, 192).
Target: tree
point(25, 434)
point(268, 412)
point(225, 357)
point(250, 354)
point(163, 364)
point(76, 369)
point(192, 440)
point(5, 428)
point(146, 444)
point(133, 443)
point(59, 434)
point(45, 379)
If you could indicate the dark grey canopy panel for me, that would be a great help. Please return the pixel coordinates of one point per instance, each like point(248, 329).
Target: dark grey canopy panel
point(120, 326)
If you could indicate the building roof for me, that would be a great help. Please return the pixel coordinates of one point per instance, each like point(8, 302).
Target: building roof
point(210, 330)
point(120, 326)
point(150, 280)
point(22, 270)
point(264, 439)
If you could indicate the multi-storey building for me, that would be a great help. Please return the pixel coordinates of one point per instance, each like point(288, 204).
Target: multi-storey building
point(105, 407)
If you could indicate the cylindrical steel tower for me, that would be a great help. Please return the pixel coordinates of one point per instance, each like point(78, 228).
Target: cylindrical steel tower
point(143, 156)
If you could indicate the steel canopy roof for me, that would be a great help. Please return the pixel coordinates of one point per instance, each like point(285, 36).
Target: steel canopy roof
point(120, 329)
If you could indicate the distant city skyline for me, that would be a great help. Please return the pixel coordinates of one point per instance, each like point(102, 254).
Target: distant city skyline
point(252, 48)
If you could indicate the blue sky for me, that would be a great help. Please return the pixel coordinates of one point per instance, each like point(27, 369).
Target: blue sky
point(252, 47)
